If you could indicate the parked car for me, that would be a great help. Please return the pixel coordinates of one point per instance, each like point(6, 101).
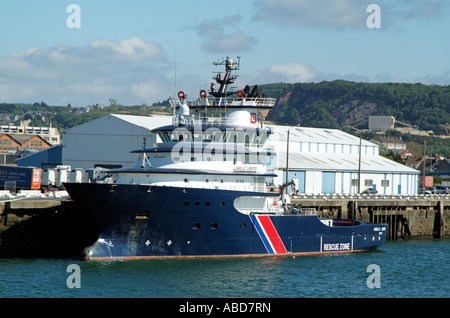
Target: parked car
point(442, 189)
point(430, 190)
point(370, 191)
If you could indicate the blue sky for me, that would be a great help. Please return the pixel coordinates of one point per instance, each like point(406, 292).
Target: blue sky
point(129, 50)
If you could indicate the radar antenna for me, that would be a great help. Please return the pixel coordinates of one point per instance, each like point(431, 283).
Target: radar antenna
point(225, 79)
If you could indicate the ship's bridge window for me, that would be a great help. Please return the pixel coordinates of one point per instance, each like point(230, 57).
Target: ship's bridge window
point(197, 136)
point(247, 140)
point(207, 137)
point(164, 135)
point(212, 134)
point(261, 138)
point(252, 139)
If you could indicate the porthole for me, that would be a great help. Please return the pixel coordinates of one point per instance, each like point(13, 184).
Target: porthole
point(186, 203)
point(207, 203)
point(196, 226)
point(243, 225)
point(213, 225)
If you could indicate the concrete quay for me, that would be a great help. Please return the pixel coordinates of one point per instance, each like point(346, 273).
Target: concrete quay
point(35, 224)
point(408, 217)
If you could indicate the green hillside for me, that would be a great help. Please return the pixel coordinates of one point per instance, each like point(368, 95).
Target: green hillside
point(339, 103)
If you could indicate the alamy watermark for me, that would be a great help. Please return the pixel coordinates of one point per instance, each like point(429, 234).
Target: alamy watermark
point(73, 21)
point(74, 279)
point(374, 19)
point(374, 279)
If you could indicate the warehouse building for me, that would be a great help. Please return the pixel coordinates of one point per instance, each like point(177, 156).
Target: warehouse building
point(329, 161)
point(107, 141)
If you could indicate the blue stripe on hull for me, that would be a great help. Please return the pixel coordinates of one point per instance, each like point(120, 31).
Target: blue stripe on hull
point(261, 234)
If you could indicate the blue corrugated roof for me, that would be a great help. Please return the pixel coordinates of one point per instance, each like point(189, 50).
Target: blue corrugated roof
point(50, 156)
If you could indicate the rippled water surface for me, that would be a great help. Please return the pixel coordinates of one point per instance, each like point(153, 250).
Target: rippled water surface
point(406, 269)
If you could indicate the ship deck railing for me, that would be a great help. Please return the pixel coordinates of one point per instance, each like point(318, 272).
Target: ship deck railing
point(212, 119)
point(378, 196)
point(213, 111)
point(223, 102)
point(307, 211)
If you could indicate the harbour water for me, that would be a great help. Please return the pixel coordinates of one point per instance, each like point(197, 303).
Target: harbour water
point(413, 269)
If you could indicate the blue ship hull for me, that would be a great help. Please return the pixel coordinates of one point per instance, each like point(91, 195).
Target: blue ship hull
point(137, 221)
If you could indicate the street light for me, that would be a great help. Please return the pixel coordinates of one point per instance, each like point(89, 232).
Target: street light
point(287, 156)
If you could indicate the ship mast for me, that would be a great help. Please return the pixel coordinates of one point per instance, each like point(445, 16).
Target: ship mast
point(225, 79)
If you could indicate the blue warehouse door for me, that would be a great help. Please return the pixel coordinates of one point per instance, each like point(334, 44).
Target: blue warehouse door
point(299, 178)
point(328, 182)
point(300, 181)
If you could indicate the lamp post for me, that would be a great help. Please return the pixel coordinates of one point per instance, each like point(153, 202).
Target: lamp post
point(424, 161)
point(287, 157)
point(359, 165)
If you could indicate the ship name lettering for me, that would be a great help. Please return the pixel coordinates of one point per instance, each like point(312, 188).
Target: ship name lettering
point(245, 169)
point(336, 247)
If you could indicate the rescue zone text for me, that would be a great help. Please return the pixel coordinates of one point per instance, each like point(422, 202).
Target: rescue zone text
point(336, 247)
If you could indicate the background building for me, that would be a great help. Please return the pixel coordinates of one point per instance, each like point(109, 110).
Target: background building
point(11, 143)
point(49, 134)
point(381, 123)
point(107, 141)
point(395, 144)
point(328, 161)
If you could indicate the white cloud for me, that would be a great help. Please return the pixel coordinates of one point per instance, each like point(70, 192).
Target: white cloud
point(337, 13)
point(292, 72)
point(342, 14)
point(228, 42)
point(415, 9)
point(131, 49)
point(147, 90)
point(218, 40)
point(91, 74)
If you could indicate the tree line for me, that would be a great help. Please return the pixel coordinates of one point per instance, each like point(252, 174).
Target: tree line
point(335, 104)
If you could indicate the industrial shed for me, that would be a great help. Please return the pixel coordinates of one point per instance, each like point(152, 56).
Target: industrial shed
point(328, 161)
point(48, 158)
point(107, 141)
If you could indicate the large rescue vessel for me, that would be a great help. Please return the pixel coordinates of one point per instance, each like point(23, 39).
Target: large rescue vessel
point(206, 190)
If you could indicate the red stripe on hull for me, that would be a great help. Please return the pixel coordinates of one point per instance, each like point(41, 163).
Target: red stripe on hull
point(272, 234)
